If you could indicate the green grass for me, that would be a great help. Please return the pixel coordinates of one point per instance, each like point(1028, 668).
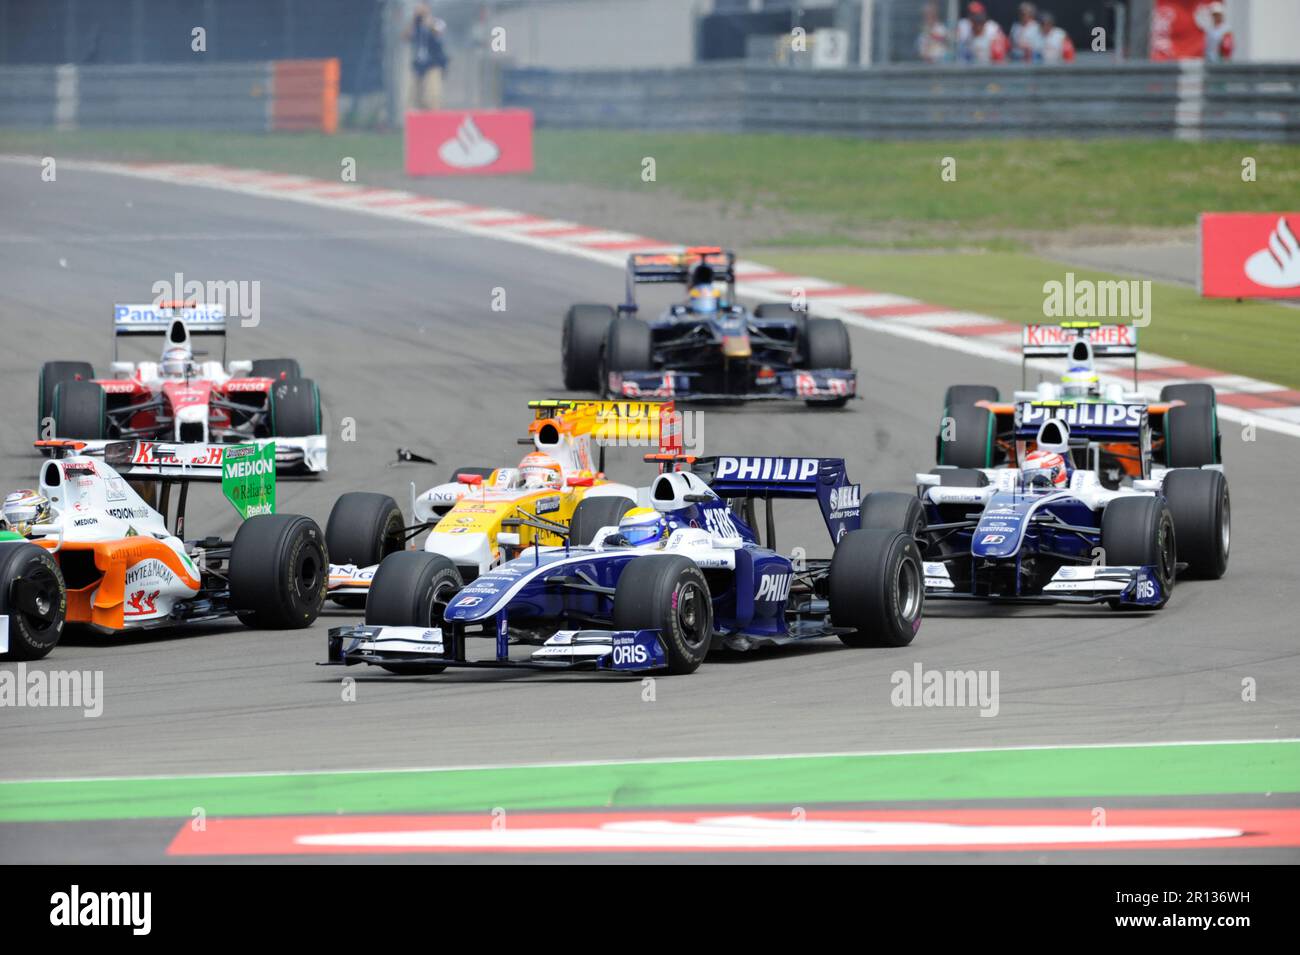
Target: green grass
point(1047, 773)
point(1004, 187)
point(1247, 338)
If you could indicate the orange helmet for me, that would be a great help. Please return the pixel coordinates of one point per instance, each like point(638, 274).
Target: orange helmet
point(1046, 469)
point(538, 470)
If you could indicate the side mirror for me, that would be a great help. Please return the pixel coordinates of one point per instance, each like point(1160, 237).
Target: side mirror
point(474, 479)
point(580, 481)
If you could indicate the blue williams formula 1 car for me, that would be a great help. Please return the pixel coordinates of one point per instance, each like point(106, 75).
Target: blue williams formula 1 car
point(707, 348)
point(1049, 530)
point(673, 579)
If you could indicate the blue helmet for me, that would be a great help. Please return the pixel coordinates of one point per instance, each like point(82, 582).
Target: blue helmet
point(704, 299)
point(643, 525)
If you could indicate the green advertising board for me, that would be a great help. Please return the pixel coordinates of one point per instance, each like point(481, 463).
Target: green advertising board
point(248, 478)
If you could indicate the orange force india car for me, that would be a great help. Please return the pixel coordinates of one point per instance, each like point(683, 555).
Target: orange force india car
point(482, 513)
point(93, 550)
point(978, 429)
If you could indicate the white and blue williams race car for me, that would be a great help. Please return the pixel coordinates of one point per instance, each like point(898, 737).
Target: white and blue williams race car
point(1054, 529)
point(684, 573)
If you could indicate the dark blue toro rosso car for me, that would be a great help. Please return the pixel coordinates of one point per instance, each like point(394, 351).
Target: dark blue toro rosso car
point(708, 347)
point(1050, 530)
point(660, 585)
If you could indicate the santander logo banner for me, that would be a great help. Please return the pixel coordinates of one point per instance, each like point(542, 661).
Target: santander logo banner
point(469, 142)
point(1250, 254)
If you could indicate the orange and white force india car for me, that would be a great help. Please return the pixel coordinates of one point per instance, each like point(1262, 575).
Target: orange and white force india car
point(181, 397)
point(483, 513)
point(97, 552)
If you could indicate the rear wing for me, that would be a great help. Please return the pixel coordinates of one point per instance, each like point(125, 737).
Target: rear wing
point(1058, 341)
point(137, 320)
point(615, 423)
point(771, 478)
point(1087, 421)
point(651, 268)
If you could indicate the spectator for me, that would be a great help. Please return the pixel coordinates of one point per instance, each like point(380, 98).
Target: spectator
point(428, 58)
point(932, 41)
point(988, 44)
point(1026, 36)
point(1057, 47)
point(1218, 37)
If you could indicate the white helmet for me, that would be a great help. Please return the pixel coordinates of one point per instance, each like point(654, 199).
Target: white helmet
point(176, 360)
point(22, 509)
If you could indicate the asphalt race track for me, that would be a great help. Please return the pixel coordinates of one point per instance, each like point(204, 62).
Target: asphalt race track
point(394, 323)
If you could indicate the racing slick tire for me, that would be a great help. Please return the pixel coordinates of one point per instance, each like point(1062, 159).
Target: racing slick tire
point(363, 528)
point(79, 410)
point(668, 593)
point(628, 347)
point(894, 511)
point(1193, 393)
point(279, 571)
point(54, 373)
point(1140, 531)
point(1191, 436)
point(412, 589)
point(593, 513)
point(33, 595)
point(295, 408)
point(277, 369)
point(877, 588)
point(973, 427)
point(826, 345)
point(1199, 503)
point(584, 336)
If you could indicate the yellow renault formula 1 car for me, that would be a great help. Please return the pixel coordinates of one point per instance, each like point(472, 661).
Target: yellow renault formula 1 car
point(558, 485)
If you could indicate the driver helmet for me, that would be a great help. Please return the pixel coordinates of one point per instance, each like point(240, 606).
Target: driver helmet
point(1080, 381)
point(704, 299)
point(538, 470)
point(25, 508)
point(643, 525)
point(1045, 469)
point(176, 360)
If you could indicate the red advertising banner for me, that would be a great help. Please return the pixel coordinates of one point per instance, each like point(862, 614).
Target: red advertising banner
point(1174, 33)
point(469, 142)
point(1249, 254)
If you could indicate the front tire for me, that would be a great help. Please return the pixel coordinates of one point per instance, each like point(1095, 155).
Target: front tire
point(584, 334)
point(33, 595)
point(54, 373)
point(593, 513)
point(668, 593)
point(295, 408)
point(277, 369)
point(1139, 531)
point(826, 347)
point(877, 588)
point(412, 589)
point(972, 427)
point(1191, 436)
point(1202, 515)
point(79, 410)
point(363, 529)
point(279, 571)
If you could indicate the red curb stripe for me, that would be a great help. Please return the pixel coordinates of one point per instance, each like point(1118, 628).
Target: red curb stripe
point(898, 311)
point(560, 231)
point(618, 244)
point(511, 220)
point(1258, 401)
point(836, 291)
point(453, 211)
point(767, 277)
point(994, 328)
point(1177, 371)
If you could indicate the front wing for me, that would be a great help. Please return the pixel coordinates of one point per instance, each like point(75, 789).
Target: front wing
point(1137, 586)
point(309, 453)
point(799, 385)
point(627, 651)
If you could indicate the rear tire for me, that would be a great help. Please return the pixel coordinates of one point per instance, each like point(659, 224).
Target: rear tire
point(584, 335)
point(893, 511)
point(826, 347)
point(277, 369)
point(279, 571)
point(33, 595)
point(628, 347)
point(1202, 515)
point(1191, 436)
point(79, 410)
point(1140, 531)
point(295, 408)
point(668, 593)
point(784, 311)
point(54, 373)
point(877, 587)
point(593, 513)
point(1192, 394)
point(973, 427)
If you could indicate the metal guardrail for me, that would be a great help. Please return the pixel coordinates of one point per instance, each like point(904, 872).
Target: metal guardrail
point(263, 95)
point(1183, 100)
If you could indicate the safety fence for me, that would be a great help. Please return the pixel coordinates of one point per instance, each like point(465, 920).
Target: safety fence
point(1182, 100)
point(260, 96)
